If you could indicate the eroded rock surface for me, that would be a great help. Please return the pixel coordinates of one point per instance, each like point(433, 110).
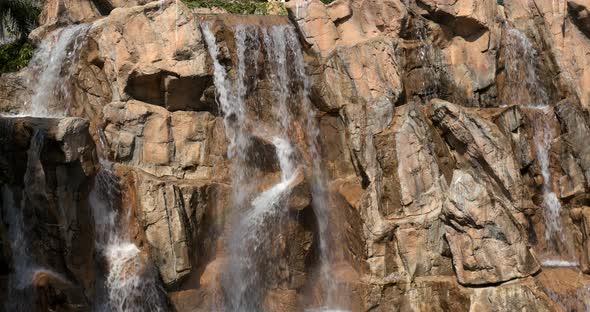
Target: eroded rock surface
point(442, 149)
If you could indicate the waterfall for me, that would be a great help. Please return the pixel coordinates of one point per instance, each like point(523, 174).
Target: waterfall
point(54, 65)
point(527, 89)
point(320, 194)
point(543, 139)
point(131, 283)
point(260, 215)
point(18, 207)
point(521, 72)
point(21, 297)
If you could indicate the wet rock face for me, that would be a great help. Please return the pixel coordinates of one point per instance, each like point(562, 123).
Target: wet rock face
point(47, 167)
point(448, 131)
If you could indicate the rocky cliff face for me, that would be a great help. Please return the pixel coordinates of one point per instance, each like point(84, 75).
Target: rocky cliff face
point(385, 155)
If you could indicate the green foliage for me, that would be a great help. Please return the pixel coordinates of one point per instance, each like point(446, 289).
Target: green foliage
point(327, 1)
point(16, 55)
point(236, 6)
point(18, 17)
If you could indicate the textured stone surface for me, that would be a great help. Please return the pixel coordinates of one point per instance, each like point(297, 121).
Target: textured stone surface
point(183, 144)
point(13, 91)
point(487, 244)
point(436, 189)
point(47, 166)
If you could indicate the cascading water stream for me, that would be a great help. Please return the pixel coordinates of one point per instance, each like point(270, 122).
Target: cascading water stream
point(20, 295)
point(321, 201)
point(260, 217)
point(131, 282)
point(244, 278)
point(543, 139)
point(528, 90)
point(54, 63)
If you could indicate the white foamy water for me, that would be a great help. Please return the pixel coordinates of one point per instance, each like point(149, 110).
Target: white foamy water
point(53, 64)
point(271, 200)
point(131, 283)
point(260, 221)
point(260, 218)
point(560, 263)
point(543, 140)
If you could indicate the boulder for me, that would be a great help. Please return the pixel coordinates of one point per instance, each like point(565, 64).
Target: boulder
point(487, 244)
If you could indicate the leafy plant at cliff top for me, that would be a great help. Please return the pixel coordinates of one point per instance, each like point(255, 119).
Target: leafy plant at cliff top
point(239, 7)
point(16, 55)
point(18, 17)
point(327, 1)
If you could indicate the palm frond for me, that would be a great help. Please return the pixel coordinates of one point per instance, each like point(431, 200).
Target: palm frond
point(18, 17)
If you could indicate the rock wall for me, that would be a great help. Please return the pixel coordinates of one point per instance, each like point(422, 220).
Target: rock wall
point(47, 230)
point(430, 114)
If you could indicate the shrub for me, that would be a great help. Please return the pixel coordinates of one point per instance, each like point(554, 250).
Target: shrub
point(234, 6)
point(15, 56)
point(18, 17)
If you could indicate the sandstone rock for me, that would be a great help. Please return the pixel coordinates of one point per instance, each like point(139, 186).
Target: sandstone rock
point(314, 20)
point(181, 144)
point(558, 26)
point(346, 23)
point(566, 287)
point(576, 130)
point(299, 193)
point(430, 294)
point(365, 72)
point(513, 122)
point(13, 93)
point(80, 11)
point(172, 215)
point(445, 294)
point(480, 142)
point(413, 183)
point(189, 300)
point(466, 18)
point(338, 10)
point(578, 9)
point(484, 252)
point(581, 216)
point(68, 12)
point(525, 295)
point(162, 61)
point(425, 198)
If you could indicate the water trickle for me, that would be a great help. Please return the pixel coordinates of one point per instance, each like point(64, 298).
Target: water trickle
point(543, 139)
point(22, 295)
point(521, 58)
point(132, 283)
point(526, 89)
point(54, 64)
point(558, 263)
